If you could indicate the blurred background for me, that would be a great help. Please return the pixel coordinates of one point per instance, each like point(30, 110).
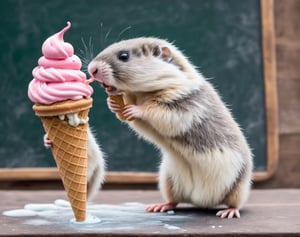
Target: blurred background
point(222, 38)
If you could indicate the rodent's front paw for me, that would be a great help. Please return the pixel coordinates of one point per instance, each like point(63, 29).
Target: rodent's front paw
point(133, 111)
point(47, 141)
point(113, 105)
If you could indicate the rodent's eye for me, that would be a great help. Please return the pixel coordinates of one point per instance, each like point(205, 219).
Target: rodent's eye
point(123, 56)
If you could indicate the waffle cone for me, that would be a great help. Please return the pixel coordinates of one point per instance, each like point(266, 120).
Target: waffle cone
point(119, 100)
point(69, 149)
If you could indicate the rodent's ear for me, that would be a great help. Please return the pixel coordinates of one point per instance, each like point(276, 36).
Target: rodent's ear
point(162, 52)
point(166, 53)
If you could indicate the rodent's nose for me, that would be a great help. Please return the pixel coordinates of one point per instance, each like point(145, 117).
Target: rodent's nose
point(95, 72)
point(92, 69)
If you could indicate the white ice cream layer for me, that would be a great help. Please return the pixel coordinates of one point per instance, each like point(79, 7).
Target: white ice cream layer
point(73, 119)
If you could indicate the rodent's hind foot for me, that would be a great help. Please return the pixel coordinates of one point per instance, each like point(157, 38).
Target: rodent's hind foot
point(229, 213)
point(47, 141)
point(161, 207)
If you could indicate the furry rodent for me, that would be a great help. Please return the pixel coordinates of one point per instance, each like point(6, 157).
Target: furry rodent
point(206, 159)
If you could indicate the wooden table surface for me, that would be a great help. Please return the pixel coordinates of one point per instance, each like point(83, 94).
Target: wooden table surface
point(267, 213)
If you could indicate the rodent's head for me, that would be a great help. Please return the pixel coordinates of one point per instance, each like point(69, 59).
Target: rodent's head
point(140, 65)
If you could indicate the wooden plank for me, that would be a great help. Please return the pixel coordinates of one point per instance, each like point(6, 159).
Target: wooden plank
point(288, 175)
point(17, 174)
point(288, 70)
point(29, 174)
point(131, 177)
point(287, 31)
point(122, 214)
point(287, 20)
point(268, 42)
point(289, 103)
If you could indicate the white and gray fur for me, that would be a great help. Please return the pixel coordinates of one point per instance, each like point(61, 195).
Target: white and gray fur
point(95, 166)
point(205, 157)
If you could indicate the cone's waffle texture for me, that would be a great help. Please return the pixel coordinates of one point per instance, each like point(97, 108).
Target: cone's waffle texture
point(69, 149)
point(119, 100)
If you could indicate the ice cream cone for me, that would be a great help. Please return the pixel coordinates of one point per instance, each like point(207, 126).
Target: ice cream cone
point(69, 148)
point(119, 100)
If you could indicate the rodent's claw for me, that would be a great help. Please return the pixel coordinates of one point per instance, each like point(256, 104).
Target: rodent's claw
point(229, 213)
point(47, 141)
point(161, 207)
point(133, 111)
point(113, 106)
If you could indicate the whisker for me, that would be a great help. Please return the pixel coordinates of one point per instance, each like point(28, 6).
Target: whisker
point(123, 31)
point(101, 35)
point(91, 46)
point(86, 54)
point(107, 34)
point(85, 48)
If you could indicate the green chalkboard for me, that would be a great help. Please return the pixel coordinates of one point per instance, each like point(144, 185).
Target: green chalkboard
point(221, 37)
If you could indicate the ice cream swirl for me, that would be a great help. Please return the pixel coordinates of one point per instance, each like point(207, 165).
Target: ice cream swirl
point(57, 76)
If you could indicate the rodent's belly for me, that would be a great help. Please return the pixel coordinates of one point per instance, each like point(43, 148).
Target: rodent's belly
point(203, 179)
point(197, 189)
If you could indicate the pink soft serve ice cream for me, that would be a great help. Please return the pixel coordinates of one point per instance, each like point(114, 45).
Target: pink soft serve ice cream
point(57, 76)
